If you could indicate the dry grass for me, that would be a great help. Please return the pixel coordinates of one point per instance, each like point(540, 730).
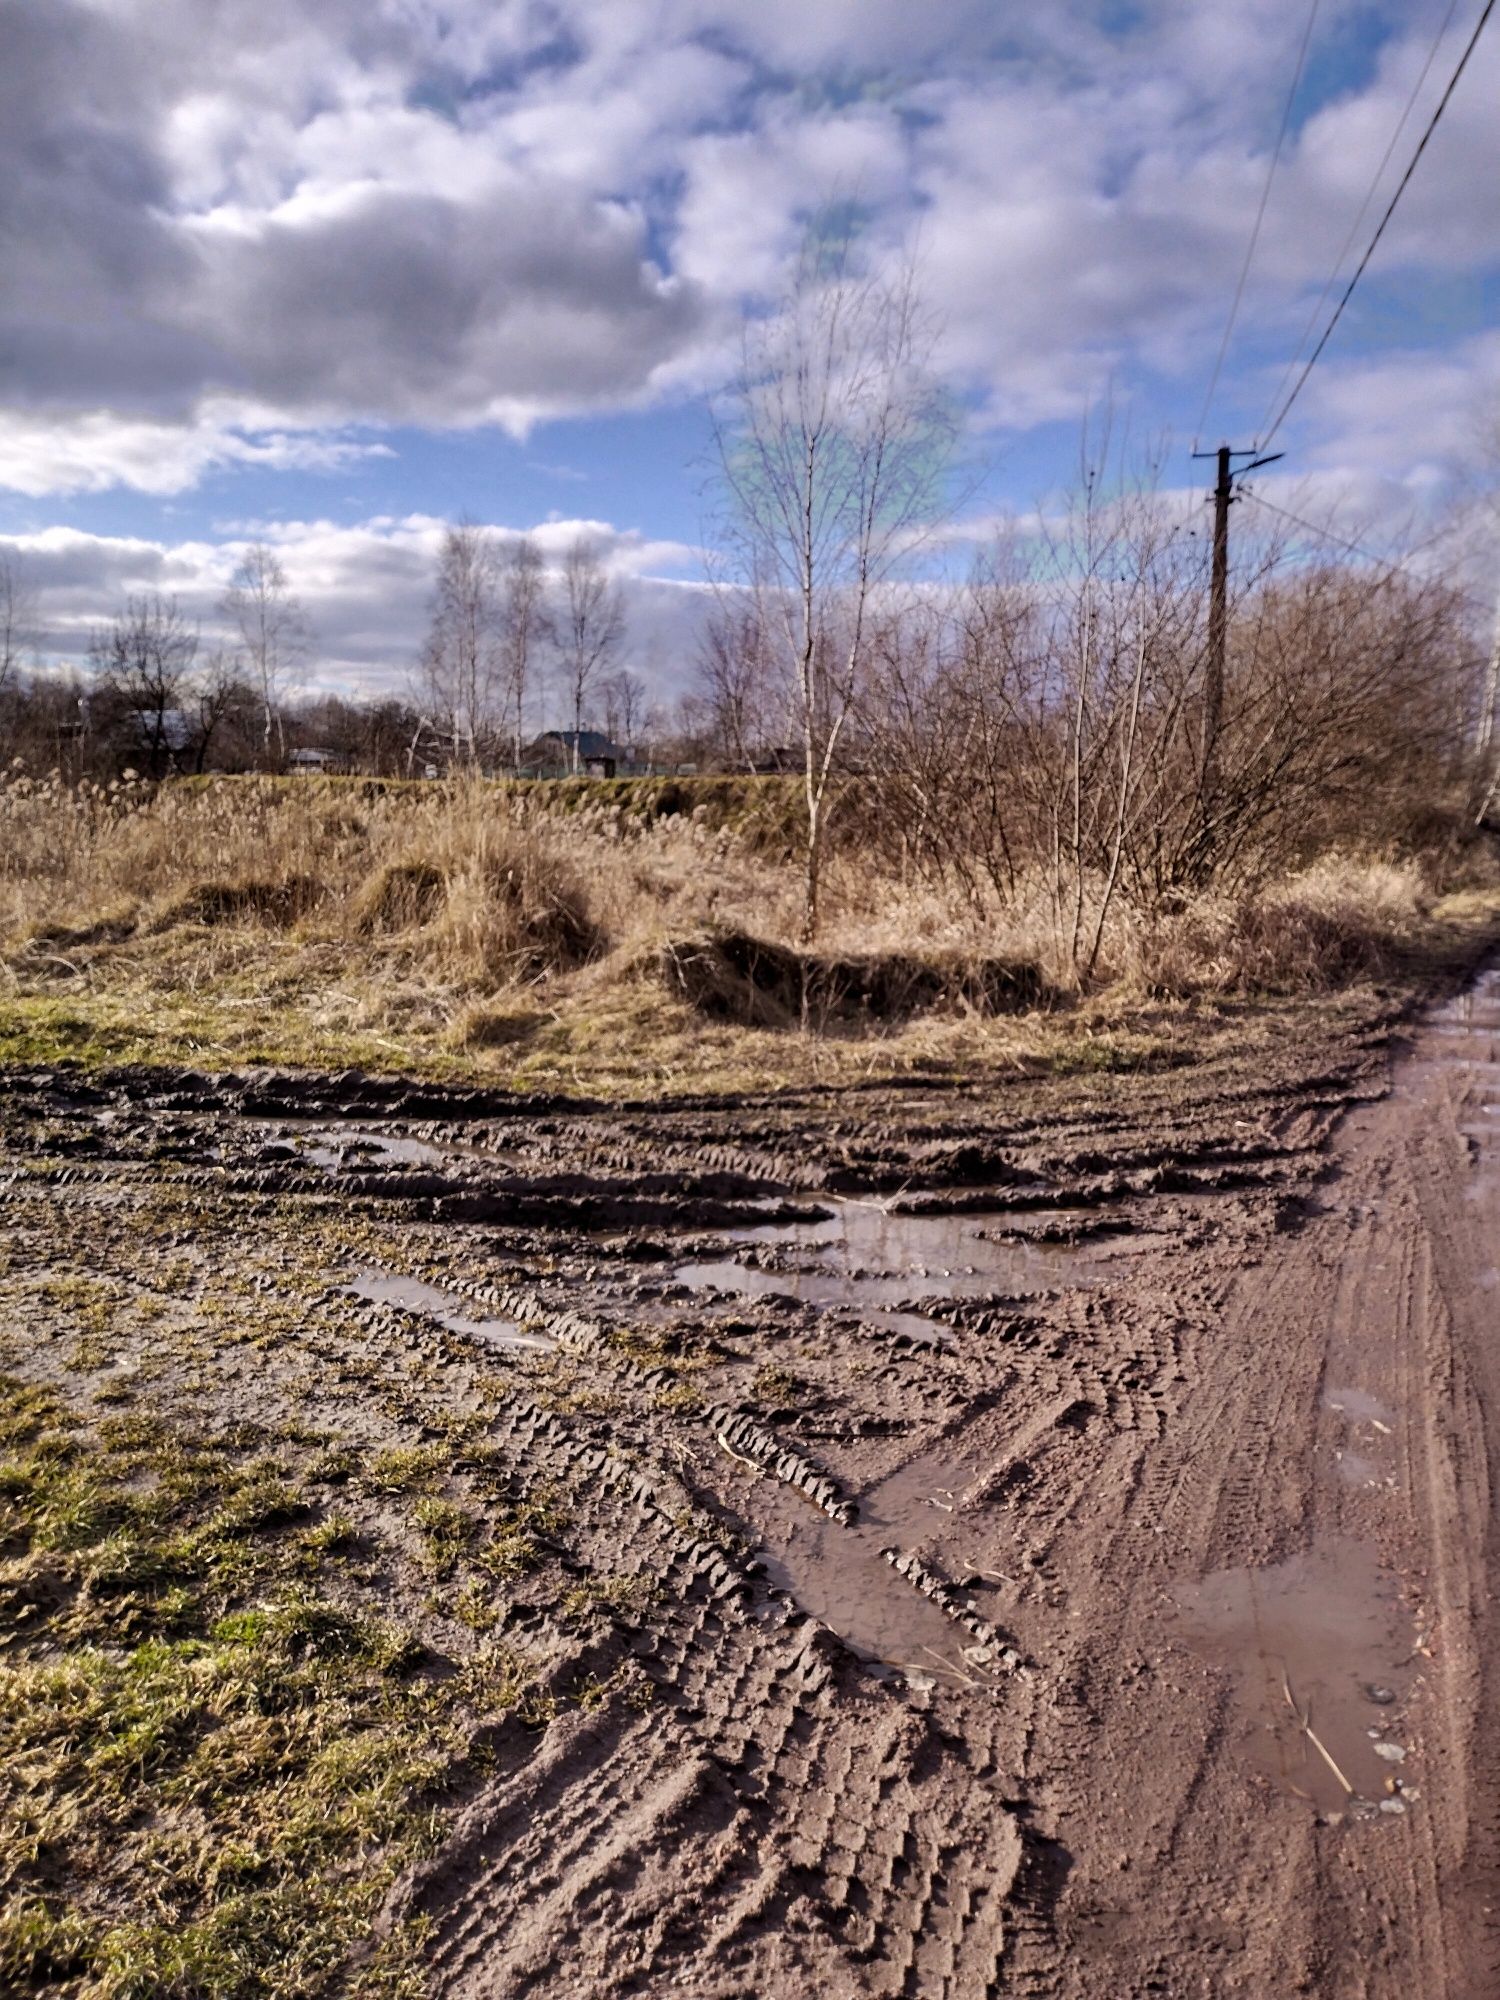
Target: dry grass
point(470, 929)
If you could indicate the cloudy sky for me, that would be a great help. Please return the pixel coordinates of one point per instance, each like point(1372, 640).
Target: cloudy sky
point(331, 271)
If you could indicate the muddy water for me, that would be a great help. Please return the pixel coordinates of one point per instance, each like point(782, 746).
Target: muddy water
point(1320, 1647)
point(1460, 1058)
point(864, 1257)
point(390, 1288)
point(340, 1148)
point(840, 1576)
point(1360, 1406)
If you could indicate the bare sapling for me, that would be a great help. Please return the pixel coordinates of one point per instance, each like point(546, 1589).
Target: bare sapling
point(273, 634)
point(590, 628)
point(834, 449)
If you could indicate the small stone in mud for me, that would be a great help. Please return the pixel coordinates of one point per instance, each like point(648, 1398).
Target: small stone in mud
point(1392, 1753)
point(1393, 1805)
point(1381, 1696)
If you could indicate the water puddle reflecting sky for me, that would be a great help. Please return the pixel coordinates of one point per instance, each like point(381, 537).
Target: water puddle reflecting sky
point(840, 1577)
point(865, 1257)
point(1321, 1640)
point(339, 1149)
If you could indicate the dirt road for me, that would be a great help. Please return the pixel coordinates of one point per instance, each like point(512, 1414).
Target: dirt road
point(1032, 1541)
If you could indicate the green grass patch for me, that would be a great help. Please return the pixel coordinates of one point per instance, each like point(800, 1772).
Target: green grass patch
point(214, 1756)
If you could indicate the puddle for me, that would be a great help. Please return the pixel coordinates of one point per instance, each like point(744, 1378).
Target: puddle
point(838, 1575)
point(338, 1149)
point(1359, 1405)
point(1330, 1626)
point(866, 1258)
point(1460, 1053)
point(390, 1289)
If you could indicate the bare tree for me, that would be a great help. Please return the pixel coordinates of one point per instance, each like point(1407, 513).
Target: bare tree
point(273, 631)
point(624, 707)
point(735, 675)
point(462, 670)
point(17, 617)
point(219, 705)
point(1486, 764)
point(143, 666)
point(591, 626)
point(1478, 523)
point(525, 618)
point(834, 455)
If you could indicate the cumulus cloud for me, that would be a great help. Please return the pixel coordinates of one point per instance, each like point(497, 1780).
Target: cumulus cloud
point(254, 234)
point(240, 234)
point(366, 588)
point(92, 450)
point(377, 260)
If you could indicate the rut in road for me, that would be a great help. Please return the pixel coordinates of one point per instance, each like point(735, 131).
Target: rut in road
point(911, 1456)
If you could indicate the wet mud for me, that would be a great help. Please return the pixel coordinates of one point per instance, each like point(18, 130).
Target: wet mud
point(1306, 1640)
point(1016, 1539)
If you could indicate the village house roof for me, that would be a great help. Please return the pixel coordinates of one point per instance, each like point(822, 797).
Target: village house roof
point(588, 742)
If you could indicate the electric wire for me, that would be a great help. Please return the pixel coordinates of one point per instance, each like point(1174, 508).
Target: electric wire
point(1390, 567)
point(1401, 187)
point(1364, 208)
point(1260, 216)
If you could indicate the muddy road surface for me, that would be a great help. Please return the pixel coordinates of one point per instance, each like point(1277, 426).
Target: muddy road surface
point(1034, 1539)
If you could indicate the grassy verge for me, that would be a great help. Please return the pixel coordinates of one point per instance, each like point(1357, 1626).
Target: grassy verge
point(628, 1039)
point(215, 1751)
point(549, 939)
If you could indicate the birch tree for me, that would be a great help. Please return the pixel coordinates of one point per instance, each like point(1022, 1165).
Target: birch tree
point(591, 627)
point(273, 631)
point(835, 446)
point(462, 670)
point(17, 614)
point(525, 616)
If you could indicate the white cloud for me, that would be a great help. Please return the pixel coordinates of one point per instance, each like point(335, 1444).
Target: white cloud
point(88, 451)
point(234, 232)
point(365, 587)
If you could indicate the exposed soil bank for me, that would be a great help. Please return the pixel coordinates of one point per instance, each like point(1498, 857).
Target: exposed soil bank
point(1028, 1539)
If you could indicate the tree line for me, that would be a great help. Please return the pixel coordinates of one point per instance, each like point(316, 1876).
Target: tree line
point(1056, 724)
point(509, 646)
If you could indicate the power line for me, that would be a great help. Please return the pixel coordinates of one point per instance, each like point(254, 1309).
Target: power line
point(1338, 311)
point(1260, 216)
point(1357, 549)
point(1364, 208)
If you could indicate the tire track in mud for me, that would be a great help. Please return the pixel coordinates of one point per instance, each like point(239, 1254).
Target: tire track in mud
point(745, 1804)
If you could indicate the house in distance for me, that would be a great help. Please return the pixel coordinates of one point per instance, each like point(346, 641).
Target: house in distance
point(563, 753)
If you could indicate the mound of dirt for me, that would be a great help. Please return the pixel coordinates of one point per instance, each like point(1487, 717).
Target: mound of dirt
point(732, 976)
point(549, 925)
point(72, 937)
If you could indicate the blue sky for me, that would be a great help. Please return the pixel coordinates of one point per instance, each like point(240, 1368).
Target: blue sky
point(335, 272)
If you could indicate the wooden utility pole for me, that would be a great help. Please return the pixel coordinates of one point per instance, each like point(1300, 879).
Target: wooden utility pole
point(1218, 622)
